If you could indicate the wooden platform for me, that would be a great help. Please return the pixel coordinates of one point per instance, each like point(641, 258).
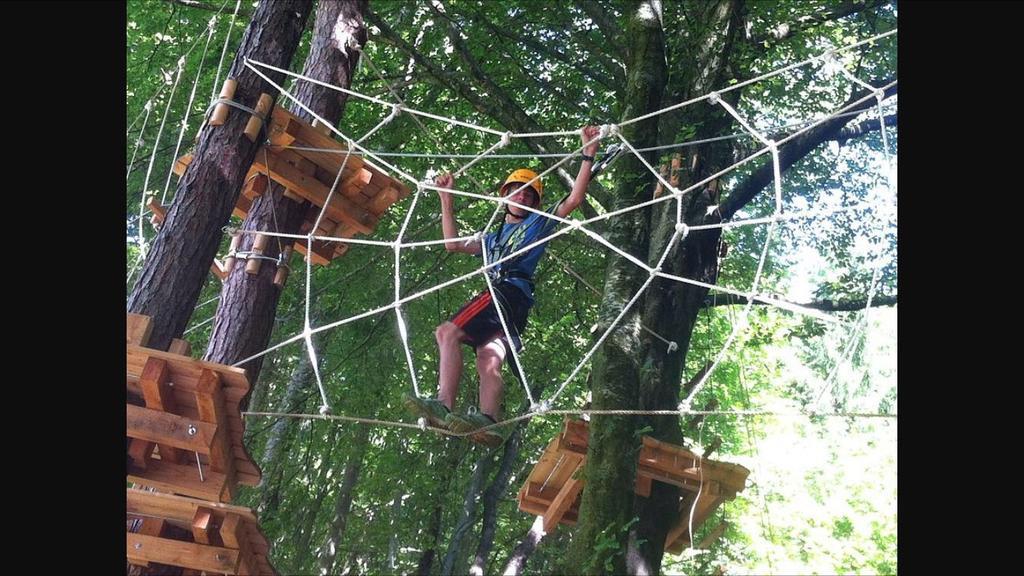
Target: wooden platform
point(179, 410)
point(553, 488)
point(208, 537)
point(363, 194)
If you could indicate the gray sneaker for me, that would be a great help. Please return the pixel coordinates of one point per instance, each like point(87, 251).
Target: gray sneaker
point(431, 409)
point(463, 423)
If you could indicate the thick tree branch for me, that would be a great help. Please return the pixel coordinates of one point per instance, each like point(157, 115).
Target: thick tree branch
point(788, 29)
point(243, 11)
point(549, 50)
point(793, 151)
point(863, 128)
point(599, 15)
point(498, 106)
point(823, 305)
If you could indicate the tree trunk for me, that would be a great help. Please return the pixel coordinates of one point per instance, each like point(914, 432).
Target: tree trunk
point(343, 505)
point(277, 440)
point(451, 453)
point(248, 302)
point(606, 507)
point(525, 549)
point(179, 261)
point(491, 497)
point(468, 516)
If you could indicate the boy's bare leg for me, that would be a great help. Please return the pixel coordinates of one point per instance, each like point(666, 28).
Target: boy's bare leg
point(449, 343)
point(489, 359)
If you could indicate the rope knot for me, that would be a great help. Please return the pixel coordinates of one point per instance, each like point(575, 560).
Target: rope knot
point(506, 138)
point(325, 410)
point(396, 109)
point(474, 238)
point(713, 98)
point(609, 129)
point(540, 407)
point(682, 229)
point(672, 347)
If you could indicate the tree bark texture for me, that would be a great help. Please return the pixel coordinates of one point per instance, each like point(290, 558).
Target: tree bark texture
point(177, 266)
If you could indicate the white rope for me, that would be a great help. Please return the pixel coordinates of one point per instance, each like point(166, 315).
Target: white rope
point(370, 98)
point(152, 158)
point(685, 144)
point(531, 415)
point(148, 108)
point(570, 225)
point(188, 107)
point(742, 324)
point(224, 50)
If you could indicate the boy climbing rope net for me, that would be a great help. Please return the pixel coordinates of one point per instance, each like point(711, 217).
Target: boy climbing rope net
point(477, 323)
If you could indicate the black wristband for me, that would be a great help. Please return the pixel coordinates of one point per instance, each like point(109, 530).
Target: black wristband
point(585, 157)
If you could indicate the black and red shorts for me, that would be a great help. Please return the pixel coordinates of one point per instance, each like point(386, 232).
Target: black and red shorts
point(479, 318)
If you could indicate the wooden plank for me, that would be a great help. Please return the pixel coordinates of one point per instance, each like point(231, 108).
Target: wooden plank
point(151, 527)
point(310, 188)
point(561, 503)
point(180, 347)
point(311, 138)
point(178, 508)
point(323, 252)
point(709, 540)
point(233, 534)
point(355, 182)
point(140, 452)
point(154, 382)
point(179, 479)
point(643, 485)
point(569, 518)
point(283, 131)
point(574, 437)
point(139, 329)
point(185, 371)
point(169, 429)
point(202, 522)
point(383, 200)
point(181, 164)
point(187, 554)
point(709, 499)
point(210, 404)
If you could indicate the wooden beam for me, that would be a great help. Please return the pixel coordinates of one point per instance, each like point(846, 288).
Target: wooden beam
point(232, 532)
point(355, 182)
point(180, 347)
point(187, 554)
point(154, 382)
point(563, 501)
point(205, 525)
point(340, 208)
point(210, 404)
point(169, 429)
point(179, 479)
point(139, 329)
point(179, 508)
point(283, 131)
point(713, 536)
point(151, 527)
point(383, 200)
point(643, 485)
point(329, 161)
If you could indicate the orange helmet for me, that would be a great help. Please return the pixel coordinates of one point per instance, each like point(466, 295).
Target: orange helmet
point(522, 176)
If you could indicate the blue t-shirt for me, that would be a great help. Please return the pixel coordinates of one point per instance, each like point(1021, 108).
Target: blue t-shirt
point(515, 236)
